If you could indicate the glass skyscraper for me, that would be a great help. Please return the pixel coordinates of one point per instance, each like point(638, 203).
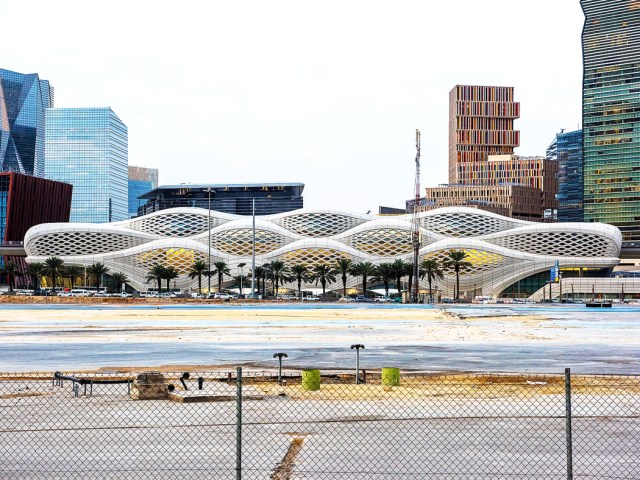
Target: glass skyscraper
point(23, 100)
point(87, 147)
point(611, 115)
point(570, 177)
point(141, 181)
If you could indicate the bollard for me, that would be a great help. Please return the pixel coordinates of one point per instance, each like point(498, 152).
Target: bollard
point(200, 383)
point(311, 380)
point(76, 389)
point(390, 376)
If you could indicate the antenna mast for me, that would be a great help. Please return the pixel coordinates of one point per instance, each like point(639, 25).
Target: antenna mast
point(415, 234)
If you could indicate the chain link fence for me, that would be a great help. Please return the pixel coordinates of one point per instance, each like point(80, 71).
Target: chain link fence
point(254, 425)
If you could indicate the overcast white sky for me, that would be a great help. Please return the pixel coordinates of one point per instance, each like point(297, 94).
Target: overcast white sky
point(325, 93)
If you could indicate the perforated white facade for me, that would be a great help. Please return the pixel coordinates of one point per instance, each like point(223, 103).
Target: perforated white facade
point(501, 250)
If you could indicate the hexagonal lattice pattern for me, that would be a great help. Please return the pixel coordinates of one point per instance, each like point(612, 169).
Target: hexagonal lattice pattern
point(174, 224)
point(458, 224)
point(384, 242)
point(80, 243)
point(319, 224)
point(313, 256)
point(564, 244)
point(239, 241)
point(481, 261)
point(503, 250)
point(179, 258)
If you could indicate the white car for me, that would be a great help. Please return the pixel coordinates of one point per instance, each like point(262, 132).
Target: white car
point(221, 296)
point(382, 300)
point(347, 300)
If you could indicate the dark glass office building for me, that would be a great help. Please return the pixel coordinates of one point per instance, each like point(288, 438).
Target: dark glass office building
point(236, 199)
point(23, 100)
point(611, 115)
point(570, 177)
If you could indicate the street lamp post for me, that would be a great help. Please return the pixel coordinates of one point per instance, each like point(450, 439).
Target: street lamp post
point(209, 225)
point(253, 251)
point(357, 347)
point(241, 265)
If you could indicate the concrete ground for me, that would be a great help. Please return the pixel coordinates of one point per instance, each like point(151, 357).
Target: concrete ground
point(446, 427)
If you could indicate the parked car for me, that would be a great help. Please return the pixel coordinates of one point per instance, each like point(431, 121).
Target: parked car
point(382, 300)
point(362, 299)
point(347, 299)
point(221, 296)
point(77, 292)
point(311, 298)
point(25, 292)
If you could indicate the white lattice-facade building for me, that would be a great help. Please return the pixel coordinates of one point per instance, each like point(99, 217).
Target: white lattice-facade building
point(501, 250)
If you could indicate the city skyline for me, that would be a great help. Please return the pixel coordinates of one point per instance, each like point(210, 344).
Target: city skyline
point(257, 93)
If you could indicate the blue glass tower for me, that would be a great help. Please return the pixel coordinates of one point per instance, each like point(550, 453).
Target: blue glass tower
point(23, 100)
point(88, 148)
point(141, 181)
point(570, 177)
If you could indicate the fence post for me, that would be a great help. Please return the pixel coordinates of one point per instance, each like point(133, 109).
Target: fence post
point(567, 393)
point(239, 423)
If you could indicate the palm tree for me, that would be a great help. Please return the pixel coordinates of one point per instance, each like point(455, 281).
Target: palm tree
point(197, 270)
point(383, 273)
point(118, 279)
point(300, 273)
point(456, 261)
point(72, 272)
point(11, 270)
point(169, 274)
point(399, 269)
point(259, 273)
point(53, 269)
point(364, 270)
point(221, 269)
point(431, 269)
point(156, 274)
point(343, 268)
point(278, 273)
point(97, 270)
point(409, 273)
point(241, 282)
point(35, 270)
point(325, 274)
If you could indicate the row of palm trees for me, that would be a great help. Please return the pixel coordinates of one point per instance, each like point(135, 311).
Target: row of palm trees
point(278, 273)
point(55, 269)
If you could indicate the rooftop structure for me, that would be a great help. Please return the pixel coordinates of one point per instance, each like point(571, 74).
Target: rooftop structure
point(232, 198)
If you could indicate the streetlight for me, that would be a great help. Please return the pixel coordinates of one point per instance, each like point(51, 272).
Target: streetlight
point(279, 356)
point(241, 265)
point(253, 250)
point(209, 225)
point(357, 346)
